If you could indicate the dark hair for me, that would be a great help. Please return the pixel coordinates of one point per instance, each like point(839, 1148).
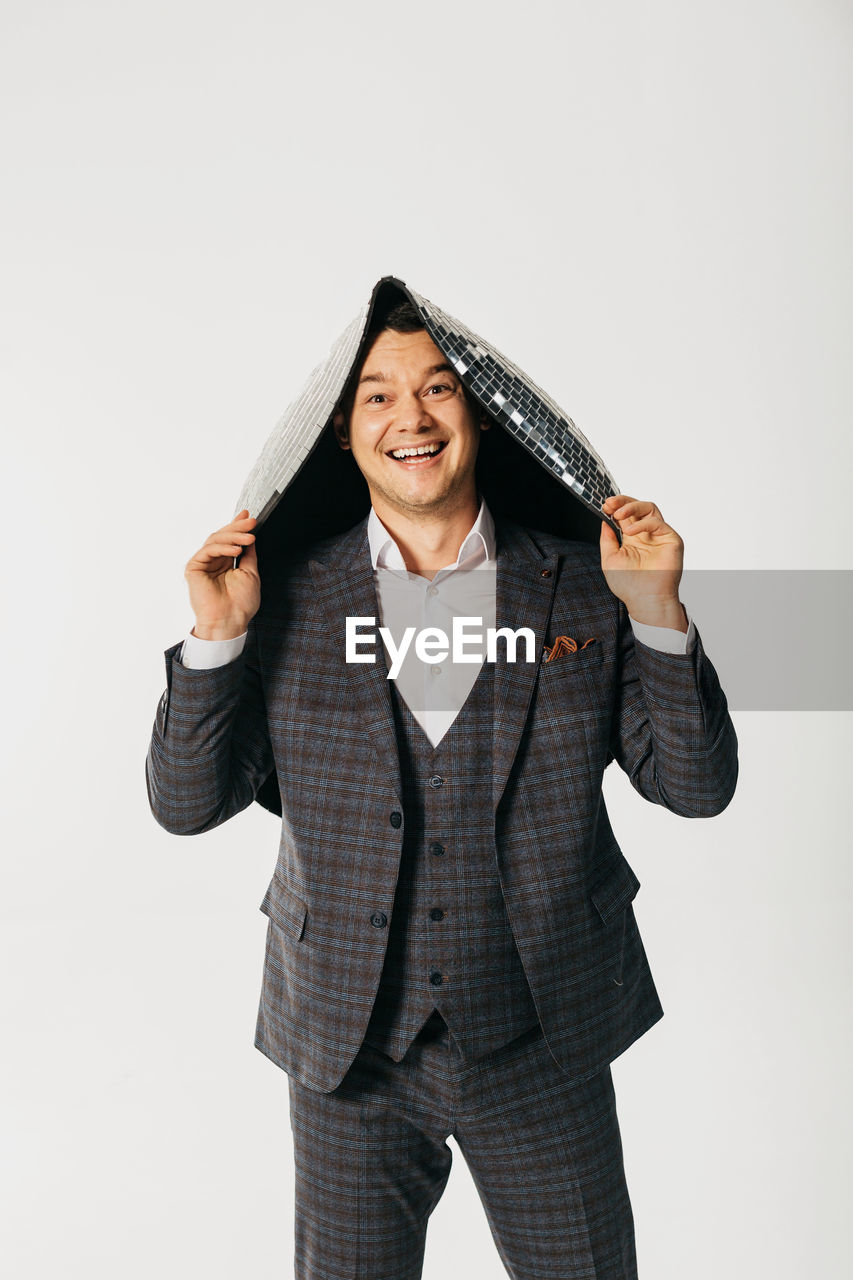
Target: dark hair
point(402, 318)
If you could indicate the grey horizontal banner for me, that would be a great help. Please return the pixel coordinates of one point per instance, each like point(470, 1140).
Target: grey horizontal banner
point(779, 639)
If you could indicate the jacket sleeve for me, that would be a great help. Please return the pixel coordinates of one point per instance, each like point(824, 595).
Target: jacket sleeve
point(210, 749)
point(671, 730)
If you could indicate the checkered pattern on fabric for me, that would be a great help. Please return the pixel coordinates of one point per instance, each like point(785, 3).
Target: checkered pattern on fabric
point(372, 1162)
point(465, 963)
point(292, 705)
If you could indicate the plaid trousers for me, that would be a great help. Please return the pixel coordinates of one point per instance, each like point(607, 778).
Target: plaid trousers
point(545, 1154)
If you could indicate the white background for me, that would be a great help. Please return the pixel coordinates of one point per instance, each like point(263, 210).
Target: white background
point(648, 208)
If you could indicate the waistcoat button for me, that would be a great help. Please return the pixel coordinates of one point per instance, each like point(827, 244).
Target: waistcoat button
point(436, 914)
point(435, 978)
point(436, 780)
point(436, 849)
point(396, 819)
point(379, 919)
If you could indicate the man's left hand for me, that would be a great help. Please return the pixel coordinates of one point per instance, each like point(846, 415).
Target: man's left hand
point(646, 570)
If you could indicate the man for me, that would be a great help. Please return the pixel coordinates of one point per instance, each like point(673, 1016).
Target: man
point(452, 947)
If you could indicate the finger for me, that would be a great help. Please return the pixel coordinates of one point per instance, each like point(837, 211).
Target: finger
point(640, 511)
point(637, 512)
point(230, 535)
point(249, 557)
point(215, 550)
point(634, 508)
point(648, 524)
point(608, 539)
point(242, 524)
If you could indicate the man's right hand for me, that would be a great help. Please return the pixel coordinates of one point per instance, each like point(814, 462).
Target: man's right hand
point(225, 599)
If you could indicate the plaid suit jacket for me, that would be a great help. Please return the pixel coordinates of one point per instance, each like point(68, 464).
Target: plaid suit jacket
point(290, 706)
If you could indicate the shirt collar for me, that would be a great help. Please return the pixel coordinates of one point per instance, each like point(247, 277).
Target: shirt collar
point(477, 546)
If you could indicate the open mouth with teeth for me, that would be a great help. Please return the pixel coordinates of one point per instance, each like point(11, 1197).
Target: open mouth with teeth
point(418, 456)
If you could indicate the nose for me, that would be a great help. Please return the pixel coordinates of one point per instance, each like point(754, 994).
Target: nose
point(413, 413)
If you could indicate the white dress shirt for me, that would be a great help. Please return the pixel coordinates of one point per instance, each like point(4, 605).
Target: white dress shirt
point(434, 692)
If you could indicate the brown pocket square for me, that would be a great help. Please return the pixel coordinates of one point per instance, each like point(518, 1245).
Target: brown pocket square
point(565, 645)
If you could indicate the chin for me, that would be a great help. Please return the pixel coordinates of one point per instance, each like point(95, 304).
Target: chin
point(416, 502)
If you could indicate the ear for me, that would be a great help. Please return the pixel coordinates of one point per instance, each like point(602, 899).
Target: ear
point(485, 422)
point(340, 429)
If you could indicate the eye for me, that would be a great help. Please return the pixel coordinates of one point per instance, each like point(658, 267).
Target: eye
point(441, 386)
point(377, 395)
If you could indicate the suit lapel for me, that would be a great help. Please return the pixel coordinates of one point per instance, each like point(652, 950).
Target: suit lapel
point(525, 593)
point(344, 583)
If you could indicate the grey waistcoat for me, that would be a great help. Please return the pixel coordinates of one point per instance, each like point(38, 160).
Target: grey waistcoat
point(450, 944)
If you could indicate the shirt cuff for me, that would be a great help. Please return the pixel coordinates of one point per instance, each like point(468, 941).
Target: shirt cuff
point(204, 655)
point(665, 639)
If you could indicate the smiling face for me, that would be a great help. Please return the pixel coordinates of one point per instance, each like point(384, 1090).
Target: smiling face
point(411, 429)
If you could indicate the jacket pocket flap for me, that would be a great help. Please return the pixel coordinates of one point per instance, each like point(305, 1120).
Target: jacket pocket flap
point(614, 891)
point(282, 905)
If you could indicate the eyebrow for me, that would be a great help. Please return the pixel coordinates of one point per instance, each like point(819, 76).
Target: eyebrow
point(434, 368)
